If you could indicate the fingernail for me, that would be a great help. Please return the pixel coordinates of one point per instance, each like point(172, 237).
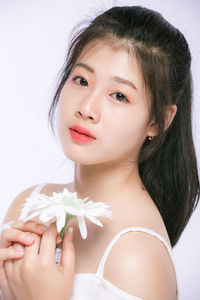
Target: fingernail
point(29, 239)
point(70, 229)
point(41, 227)
point(19, 253)
point(70, 236)
point(58, 239)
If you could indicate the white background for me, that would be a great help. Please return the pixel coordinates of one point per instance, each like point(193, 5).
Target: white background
point(33, 42)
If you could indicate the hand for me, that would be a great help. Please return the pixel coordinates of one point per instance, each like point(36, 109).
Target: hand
point(20, 232)
point(36, 276)
point(7, 294)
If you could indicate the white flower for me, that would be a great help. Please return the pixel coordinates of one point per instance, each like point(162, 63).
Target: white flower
point(61, 206)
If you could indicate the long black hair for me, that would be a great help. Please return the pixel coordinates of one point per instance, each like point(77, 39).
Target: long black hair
point(167, 164)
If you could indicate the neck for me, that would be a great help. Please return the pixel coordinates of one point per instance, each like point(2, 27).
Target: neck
point(110, 183)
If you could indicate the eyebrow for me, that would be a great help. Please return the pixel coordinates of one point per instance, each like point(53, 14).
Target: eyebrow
point(116, 78)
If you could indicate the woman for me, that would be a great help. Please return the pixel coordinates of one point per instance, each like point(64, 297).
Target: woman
point(124, 117)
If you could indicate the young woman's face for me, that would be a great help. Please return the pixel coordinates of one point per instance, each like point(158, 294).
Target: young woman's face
point(105, 94)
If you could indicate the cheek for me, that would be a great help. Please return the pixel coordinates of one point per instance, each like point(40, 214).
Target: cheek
point(126, 134)
point(65, 107)
point(62, 123)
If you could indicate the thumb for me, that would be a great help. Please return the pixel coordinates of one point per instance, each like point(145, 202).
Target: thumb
point(68, 252)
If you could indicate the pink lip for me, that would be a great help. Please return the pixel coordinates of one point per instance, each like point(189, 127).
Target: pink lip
point(82, 130)
point(81, 134)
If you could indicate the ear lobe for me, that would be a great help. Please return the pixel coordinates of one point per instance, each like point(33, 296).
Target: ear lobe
point(170, 114)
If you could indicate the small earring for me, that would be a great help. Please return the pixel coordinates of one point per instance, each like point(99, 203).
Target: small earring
point(150, 138)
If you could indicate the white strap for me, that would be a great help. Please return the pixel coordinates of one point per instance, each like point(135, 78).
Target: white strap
point(123, 231)
point(38, 188)
point(5, 226)
point(117, 236)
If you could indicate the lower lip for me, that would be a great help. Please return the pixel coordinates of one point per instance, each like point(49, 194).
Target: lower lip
point(81, 138)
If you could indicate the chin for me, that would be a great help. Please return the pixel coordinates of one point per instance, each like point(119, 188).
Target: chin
point(80, 158)
point(90, 160)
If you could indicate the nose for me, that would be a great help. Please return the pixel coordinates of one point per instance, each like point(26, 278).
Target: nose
point(89, 108)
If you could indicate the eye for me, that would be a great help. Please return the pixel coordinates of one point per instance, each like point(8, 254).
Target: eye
point(80, 80)
point(121, 97)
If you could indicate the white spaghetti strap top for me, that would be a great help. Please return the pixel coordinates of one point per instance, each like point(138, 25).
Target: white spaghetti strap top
point(100, 270)
point(117, 236)
point(38, 188)
point(90, 286)
point(94, 285)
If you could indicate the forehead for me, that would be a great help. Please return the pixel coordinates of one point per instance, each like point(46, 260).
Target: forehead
point(100, 48)
point(113, 59)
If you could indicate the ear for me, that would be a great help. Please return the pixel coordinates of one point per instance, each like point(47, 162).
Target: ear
point(169, 116)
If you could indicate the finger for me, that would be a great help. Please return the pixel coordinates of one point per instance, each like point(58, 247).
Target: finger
point(31, 251)
point(8, 236)
point(17, 262)
point(4, 286)
point(48, 244)
point(8, 267)
point(10, 253)
point(58, 239)
point(6, 291)
point(18, 247)
point(30, 226)
point(4, 273)
point(68, 253)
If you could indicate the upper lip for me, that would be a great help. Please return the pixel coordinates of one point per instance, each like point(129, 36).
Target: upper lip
point(82, 130)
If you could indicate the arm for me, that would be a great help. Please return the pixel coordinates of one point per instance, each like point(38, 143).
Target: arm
point(143, 269)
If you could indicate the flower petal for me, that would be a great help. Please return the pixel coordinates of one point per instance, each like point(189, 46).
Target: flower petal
point(56, 207)
point(36, 213)
point(60, 222)
point(94, 220)
point(82, 226)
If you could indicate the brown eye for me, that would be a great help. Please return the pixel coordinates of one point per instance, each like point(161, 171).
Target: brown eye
point(80, 80)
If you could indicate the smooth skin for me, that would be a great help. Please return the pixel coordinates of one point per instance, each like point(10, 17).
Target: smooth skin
point(107, 170)
point(39, 258)
point(30, 261)
point(11, 247)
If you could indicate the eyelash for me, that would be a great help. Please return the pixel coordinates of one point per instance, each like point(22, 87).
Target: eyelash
point(126, 99)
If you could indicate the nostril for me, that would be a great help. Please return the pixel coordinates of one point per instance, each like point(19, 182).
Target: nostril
point(78, 113)
point(85, 115)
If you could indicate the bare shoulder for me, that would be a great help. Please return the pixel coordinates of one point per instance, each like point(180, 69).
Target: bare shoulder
point(140, 264)
point(55, 187)
point(14, 210)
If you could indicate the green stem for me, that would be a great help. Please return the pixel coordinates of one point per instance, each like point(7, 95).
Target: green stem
point(62, 234)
